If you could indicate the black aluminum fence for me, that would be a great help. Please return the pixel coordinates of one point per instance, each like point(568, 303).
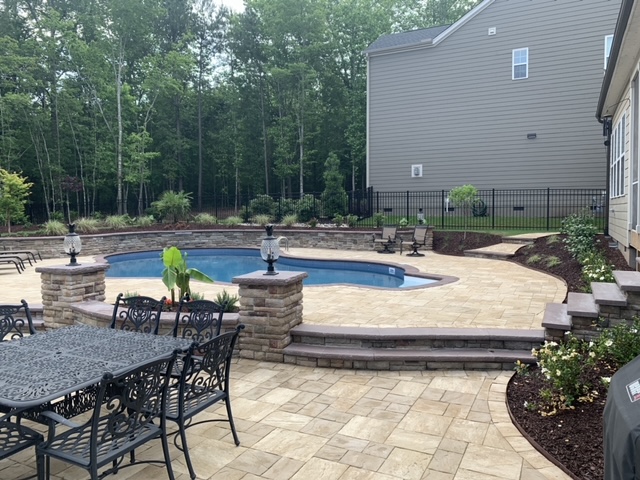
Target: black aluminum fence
point(532, 209)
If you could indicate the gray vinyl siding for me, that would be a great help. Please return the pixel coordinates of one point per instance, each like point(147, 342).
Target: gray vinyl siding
point(454, 108)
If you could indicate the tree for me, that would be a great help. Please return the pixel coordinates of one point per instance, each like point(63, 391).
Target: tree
point(14, 191)
point(463, 197)
point(334, 197)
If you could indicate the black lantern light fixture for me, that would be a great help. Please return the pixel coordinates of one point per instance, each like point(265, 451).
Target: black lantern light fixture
point(72, 245)
point(270, 250)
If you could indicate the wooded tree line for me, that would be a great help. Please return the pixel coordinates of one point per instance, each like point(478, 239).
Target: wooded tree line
point(104, 104)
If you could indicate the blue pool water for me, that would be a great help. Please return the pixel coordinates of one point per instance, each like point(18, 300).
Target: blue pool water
point(224, 264)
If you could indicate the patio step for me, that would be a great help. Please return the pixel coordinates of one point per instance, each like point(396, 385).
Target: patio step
point(627, 281)
point(608, 294)
point(556, 317)
point(411, 348)
point(582, 305)
point(499, 251)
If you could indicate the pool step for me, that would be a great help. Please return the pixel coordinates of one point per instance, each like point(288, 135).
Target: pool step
point(411, 348)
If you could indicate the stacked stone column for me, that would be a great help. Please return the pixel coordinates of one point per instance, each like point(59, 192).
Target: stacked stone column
point(270, 306)
point(63, 286)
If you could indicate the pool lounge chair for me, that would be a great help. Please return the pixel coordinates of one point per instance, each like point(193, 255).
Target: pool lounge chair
point(387, 239)
point(418, 241)
point(31, 254)
point(16, 262)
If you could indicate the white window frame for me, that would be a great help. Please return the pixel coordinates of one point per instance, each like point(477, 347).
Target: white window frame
point(416, 171)
point(608, 41)
point(514, 52)
point(618, 144)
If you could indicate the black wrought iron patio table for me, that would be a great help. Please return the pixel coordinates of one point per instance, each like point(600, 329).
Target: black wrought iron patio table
point(40, 369)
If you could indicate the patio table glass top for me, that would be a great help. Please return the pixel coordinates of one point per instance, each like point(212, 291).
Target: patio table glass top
point(43, 367)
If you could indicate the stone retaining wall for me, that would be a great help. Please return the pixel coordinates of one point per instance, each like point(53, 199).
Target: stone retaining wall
point(104, 244)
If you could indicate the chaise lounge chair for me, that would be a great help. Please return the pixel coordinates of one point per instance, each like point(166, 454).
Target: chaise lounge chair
point(418, 240)
point(387, 239)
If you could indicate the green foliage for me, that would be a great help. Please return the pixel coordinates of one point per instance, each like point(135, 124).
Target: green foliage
point(581, 230)
point(55, 228)
point(290, 220)
point(261, 219)
point(262, 205)
point(620, 343)
point(378, 218)
point(286, 206)
point(144, 221)
point(177, 275)
point(352, 220)
point(129, 294)
point(229, 301)
point(552, 261)
point(551, 239)
point(232, 221)
point(564, 366)
point(196, 296)
point(87, 225)
point(403, 222)
point(14, 192)
point(534, 258)
point(334, 197)
point(463, 197)
point(596, 268)
point(338, 220)
point(172, 206)
point(307, 208)
point(313, 223)
point(205, 219)
point(117, 222)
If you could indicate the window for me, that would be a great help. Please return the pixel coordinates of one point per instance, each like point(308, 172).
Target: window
point(618, 138)
point(520, 64)
point(608, 41)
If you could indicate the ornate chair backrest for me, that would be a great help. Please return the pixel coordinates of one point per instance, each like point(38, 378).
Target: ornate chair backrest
point(15, 321)
point(127, 405)
point(420, 234)
point(210, 373)
point(138, 314)
point(389, 233)
point(200, 320)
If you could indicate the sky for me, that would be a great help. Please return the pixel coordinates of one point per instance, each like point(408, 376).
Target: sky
point(235, 5)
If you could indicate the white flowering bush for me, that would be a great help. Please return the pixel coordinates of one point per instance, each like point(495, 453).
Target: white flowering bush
point(619, 344)
point(563, 365)
point(581, 230)
point(595, 268)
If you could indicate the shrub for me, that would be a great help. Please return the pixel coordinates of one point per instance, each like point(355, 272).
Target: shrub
point(334, 197)
point(620, 344)
point(564, 366)
point(378, 219)
point(55, 228)
point(595, 268)
point(463, 198)
point(338, 220)
point(403, 222)
point(172, 206)
point(307, 208)
point(285, 207)
point(196, 296)
point(232, 221)
point(144, 221)
point(87, 225)
point(580, 229)
point(205, 219)
point(290, 220)
point(552, 261)
point(551, 239)
point(313, 223)
point(352, 220)
point(117, 221)
point(229, 301)
point(262, 205)
point(261, 220)
point(534, 259)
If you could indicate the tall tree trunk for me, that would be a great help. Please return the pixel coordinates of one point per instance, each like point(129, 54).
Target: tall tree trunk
point(120, 167)
point(264, 136)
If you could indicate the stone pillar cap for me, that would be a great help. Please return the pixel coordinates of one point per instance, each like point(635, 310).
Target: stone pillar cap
point(76, 270)
point(259, 278)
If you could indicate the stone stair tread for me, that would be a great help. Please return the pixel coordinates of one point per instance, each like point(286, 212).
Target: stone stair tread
point(556, 316)
point(457, 355)
point(608, 294)
point(627, 281)
point(392, 333)
point(582, 305)
point(499, 251)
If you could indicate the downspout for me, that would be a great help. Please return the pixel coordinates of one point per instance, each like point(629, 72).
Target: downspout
point(606, 132)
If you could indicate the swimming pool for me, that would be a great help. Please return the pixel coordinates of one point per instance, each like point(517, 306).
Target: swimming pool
point(222, 264)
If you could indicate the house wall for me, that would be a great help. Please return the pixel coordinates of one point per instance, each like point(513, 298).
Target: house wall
point(455, 109)
point(619, 206)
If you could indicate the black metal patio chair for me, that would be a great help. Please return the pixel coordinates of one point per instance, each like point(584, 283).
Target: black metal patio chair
point(15, 321)
point(15, 437)
point(418, 240)
point(137, 314)
point(129, 412)
point(203, 384)
point(198, 320)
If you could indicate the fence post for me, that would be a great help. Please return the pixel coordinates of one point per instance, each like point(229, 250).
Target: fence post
point(442, 210)
point(407, 205)
point(377, 202)
point(548, 207)
point(493, 208)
